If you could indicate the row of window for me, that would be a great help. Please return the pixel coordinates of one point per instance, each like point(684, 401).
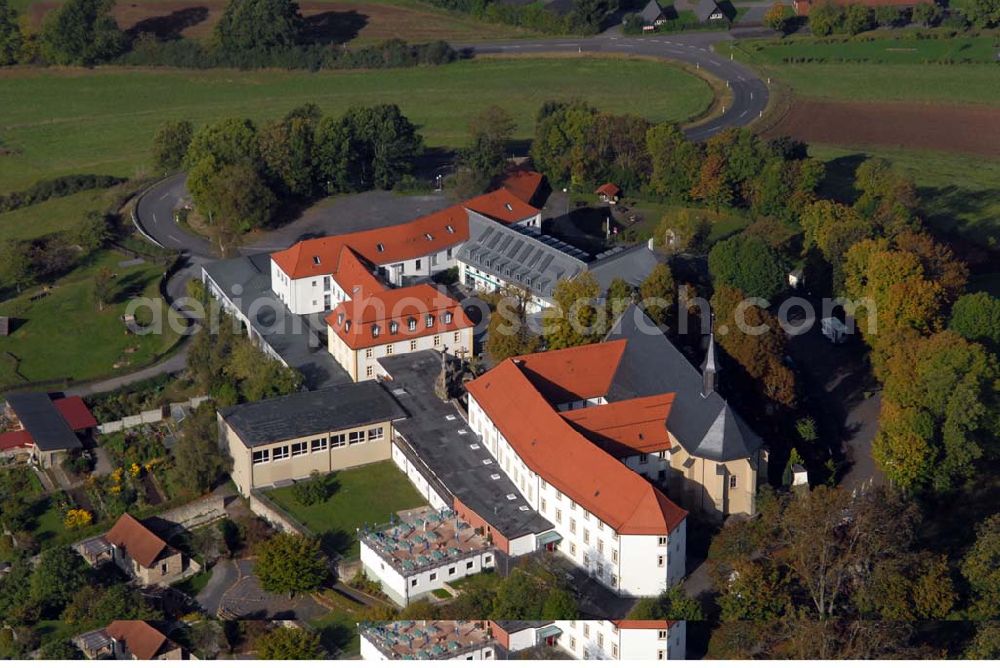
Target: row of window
point(411, 323)
point(317, 445)
point(389, 348)
point(433, 576)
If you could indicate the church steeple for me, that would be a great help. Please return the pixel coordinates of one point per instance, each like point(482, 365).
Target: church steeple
point(710, 368)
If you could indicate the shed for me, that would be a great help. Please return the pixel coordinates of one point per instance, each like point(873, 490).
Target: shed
point(608, 192)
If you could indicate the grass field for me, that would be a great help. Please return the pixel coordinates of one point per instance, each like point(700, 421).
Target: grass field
point(74, 120)
point(959, 193)
point(893, 72)
point(56, 215)
point(365, 495)
point(63, 335)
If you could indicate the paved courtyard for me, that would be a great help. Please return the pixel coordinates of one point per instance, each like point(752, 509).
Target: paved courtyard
point(234, 592)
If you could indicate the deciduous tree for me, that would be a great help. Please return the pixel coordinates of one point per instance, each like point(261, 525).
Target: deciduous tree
point(576, 319)
point(486, 156)
point(82, 32)
point(286, 644)
point(657, 293)
point(977, 318)
point(749, 265)
point(290, 564)
point(10, 35)
point(247, 26)
point(170, 145)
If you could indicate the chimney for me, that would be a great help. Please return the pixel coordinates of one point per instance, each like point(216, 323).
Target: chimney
point(710, 369)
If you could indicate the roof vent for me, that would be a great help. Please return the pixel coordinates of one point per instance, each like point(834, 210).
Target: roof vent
point(511, 497)
point(523, 509)
point(508, 206)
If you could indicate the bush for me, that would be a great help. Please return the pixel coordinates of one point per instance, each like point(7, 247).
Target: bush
point(312, 491)
point(58, 187)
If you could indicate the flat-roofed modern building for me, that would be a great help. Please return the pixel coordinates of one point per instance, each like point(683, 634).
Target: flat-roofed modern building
point(421, 551)
point(628, 640)
point(427, 640)
point(287, 438)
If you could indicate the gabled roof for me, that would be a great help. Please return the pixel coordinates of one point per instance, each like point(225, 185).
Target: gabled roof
point(702, 9)
point(141, 544)
point(354, 276)
point(575, 466)
point(419, 237)
point(39, 416)
point(706, 426)
point(572, 374)
point(523, 183)
point(625, 428)
point(610, 189)
point(354, 321)
point(651, 12)
point(141, 640)
point(502, 205)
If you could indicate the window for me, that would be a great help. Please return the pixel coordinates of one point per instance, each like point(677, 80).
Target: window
point(299, 449)
point(600, 546)
point(614, 556)
point(732, 482)
point(643, 458)
point(368, 353)
point(544, 506)
point(558, 495)
point(416, 265)
point(487, 653)
point(413, 582)
point(661, 655)
point(488, 559)
point(355, 437)
point(468, 565)
point(437, 340)
point(614, 581)
point(661, 540)
point(586, 514)
point(429, 321)
point(261, 456)
point(558, 516)
point(586, 536)
point(572, 526)
point(376, 330)
point(451, 571)
point(600, 640)
point(326, 282)
point(163, 568)
point(388, 349)
point(662, 635)
point(572, 643)
point(393, 327)
point(315, 259)
point(375, 434)
point(318, 444)
point(380, 248)
point(413, 345)
point(614, 650)
point(338, 441)
point(586, 630)
point(314, 284)
point(660, 560)
point(572, 549)
point(572, 505)
point(369, 372)
point(433, 577)
point(458, 337)
point(447, 318)
point(280, 452)
point(411, 324)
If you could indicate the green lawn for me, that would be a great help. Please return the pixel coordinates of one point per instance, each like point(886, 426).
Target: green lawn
point(892, 73)
point(365, 495)
point(195, 583)
point(55, 215)
point(958, 193)
point(63, 335)
point(102, 120)
point(338, 629)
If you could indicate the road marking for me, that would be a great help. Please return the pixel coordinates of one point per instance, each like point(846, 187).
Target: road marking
point(154, 216)
point(173, 238)
point(743, 114)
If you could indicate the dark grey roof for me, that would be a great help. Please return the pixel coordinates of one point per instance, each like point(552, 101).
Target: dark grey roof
point(298, 340)
point(702, 9)
point(706, 426)
point(515, 625)
point(308, 413)
point(432, 433)
point(522, 255)
point(651, 13)
point(40, 418)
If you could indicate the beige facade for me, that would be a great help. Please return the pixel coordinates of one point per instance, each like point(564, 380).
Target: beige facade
point(163, 570)
point(295, 459)
point(716, 488)
point(362, 364)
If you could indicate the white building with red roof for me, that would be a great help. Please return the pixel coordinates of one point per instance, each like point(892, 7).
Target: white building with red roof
point(596, 639)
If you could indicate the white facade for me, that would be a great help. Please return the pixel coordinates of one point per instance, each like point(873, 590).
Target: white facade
point(417, 478)
point(362, 364)
point(603, 639)
point(483, 281)
point(404, 588)
point(399, 273)
point(369, 652)
point(631, 565)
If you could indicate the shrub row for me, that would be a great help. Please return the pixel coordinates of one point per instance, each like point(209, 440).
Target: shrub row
point(58, 187)
point(148, 51)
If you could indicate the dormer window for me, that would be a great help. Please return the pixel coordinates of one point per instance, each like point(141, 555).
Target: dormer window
point(451, 230)
point(375, 331)
point(509, 207)
point(428, 236)
point(447, 318)
point(380, 248)
point(347, 326)
point(430, 321)
point(316, 259)
point(411, 324)
point(340, 318)
point(393, 327)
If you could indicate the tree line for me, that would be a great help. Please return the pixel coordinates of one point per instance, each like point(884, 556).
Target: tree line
point(250, 34)
point(239, 173)
point(586, 17)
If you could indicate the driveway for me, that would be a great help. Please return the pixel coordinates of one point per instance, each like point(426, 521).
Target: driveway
point(233, 592)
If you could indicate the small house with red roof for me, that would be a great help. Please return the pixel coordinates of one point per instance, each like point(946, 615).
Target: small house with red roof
point(129, 640)
point(138, 551)
point(390, 322)
point(608, 192)
point(42, 429)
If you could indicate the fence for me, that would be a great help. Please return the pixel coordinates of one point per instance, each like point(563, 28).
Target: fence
point(149, 417)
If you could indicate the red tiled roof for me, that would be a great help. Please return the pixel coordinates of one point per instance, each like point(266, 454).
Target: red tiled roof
point(398, 306)
point(76, 413)
point(628, 427)
point(523, 183)
point(354, 276)
point(141, 544)
point(142, 640)
point(419, 237)
point(572, 374)
point(609, 190)
point(574, 465)
point(643, 623)
point(14, 439)
point(502, 205)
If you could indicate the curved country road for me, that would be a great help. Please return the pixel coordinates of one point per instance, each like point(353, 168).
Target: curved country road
point(749, 100)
